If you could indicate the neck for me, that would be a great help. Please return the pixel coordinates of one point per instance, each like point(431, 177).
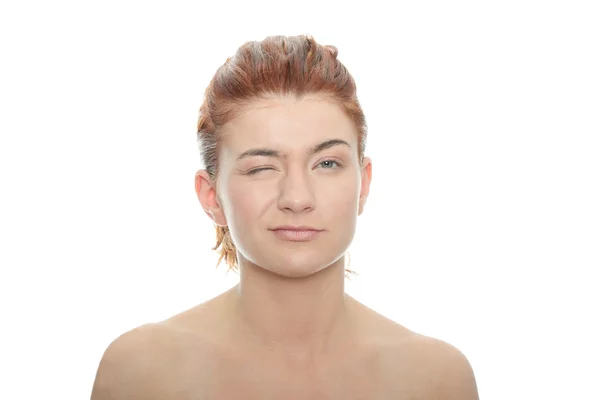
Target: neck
point(303, 317)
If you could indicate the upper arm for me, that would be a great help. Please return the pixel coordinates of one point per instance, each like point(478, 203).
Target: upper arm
point(419, 366)
point(453, 375)
point(128, 368)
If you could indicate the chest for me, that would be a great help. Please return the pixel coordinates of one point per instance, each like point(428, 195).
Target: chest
point(353, 375)
point(265, 383)
point(262, 379)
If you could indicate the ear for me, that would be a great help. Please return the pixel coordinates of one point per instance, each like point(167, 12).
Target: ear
point(207, 195)
point(365, 185)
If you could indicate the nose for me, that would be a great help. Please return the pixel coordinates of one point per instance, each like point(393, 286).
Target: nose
point(296, 192)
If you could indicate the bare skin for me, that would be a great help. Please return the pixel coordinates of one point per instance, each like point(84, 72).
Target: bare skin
point(288, 330)
point(196, 355)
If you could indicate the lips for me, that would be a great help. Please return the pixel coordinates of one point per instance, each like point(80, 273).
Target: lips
point(296, 228)
point(296, 233)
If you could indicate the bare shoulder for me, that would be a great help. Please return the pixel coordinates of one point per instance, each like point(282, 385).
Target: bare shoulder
point(436, 368)
point(156, 360)
point(412, 365)
point(131, 365)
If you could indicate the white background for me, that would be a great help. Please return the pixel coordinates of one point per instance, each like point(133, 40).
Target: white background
point(481, 229)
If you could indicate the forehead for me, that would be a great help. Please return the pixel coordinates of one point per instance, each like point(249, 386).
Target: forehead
point(287, 124)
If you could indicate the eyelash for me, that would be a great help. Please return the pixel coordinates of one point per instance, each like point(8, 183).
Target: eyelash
point(254, 171)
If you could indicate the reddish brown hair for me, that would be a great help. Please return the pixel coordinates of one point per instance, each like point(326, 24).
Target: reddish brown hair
point(277, 65)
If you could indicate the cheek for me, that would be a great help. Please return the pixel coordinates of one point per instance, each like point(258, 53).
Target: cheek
point(341, 201)
point(245, 203)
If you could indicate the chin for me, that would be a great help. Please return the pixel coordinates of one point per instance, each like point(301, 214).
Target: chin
point(294, 272)
point(297, 260)
point(300, 267)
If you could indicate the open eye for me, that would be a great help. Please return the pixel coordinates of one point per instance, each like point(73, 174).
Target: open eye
point(330, 163)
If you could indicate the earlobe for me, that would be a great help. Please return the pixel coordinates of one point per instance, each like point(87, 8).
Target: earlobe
point(361, 204)
point(208, 198)
point(218, 216)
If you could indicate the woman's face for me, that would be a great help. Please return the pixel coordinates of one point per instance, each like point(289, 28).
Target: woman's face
point(270, 175)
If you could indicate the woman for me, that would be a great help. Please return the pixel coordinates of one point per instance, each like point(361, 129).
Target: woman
point(282, 137)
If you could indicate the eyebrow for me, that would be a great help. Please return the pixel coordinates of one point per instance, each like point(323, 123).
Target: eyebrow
point(274, 153)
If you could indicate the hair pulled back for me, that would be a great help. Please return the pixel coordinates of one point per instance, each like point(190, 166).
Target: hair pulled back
point(277, 65)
